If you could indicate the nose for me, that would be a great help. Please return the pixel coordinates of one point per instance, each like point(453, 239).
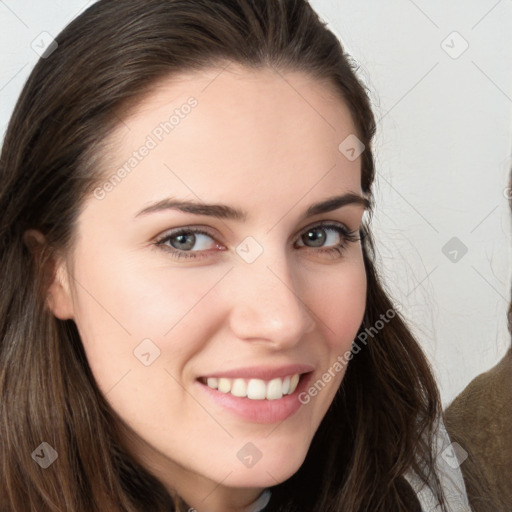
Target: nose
point(267, 305)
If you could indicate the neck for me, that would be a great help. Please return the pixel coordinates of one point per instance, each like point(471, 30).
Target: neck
point(200, 493)
point(224, 499)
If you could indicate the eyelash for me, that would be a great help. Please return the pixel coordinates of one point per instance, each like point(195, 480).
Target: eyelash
point(346, 235)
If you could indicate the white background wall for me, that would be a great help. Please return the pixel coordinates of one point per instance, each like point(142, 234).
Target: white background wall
point(443, 156)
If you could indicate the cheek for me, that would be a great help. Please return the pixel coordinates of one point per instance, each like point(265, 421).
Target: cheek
point(339, 300)
point(118, 307)
point(136, 299)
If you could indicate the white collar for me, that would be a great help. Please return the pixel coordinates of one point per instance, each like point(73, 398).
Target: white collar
point(261, 502)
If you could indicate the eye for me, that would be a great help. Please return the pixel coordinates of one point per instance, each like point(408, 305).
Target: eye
point(329, 238)
point(187, 240)
point(320, 236)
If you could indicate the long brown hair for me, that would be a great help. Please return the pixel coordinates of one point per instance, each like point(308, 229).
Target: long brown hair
point(382, 419)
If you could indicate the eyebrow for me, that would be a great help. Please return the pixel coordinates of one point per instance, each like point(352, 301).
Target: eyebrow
point(222, 211)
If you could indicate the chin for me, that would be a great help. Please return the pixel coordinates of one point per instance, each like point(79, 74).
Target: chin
point(267, 473)
point(260, 479)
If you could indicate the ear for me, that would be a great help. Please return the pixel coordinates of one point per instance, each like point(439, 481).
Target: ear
point(55, 271)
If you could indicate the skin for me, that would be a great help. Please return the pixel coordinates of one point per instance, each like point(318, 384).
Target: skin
point(261, 141)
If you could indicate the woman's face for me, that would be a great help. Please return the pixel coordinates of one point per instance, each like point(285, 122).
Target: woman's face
point(241, 287)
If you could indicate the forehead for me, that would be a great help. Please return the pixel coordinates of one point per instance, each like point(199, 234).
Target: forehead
point(230, 131)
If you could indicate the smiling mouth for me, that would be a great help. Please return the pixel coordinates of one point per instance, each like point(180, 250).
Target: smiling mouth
point(254, 389)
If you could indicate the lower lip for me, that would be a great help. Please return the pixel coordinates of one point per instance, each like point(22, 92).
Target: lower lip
point(260, 411)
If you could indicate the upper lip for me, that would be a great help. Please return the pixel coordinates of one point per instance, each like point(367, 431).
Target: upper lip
point(262, 372)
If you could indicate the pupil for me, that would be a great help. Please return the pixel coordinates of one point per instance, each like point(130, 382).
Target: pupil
point(184, 241)
point(317, 236)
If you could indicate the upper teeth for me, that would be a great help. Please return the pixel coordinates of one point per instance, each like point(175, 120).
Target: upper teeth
point(255, 389)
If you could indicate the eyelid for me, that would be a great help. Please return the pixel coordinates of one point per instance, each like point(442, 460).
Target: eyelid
point(206, 231)
point(324, 223)
point(159, 239)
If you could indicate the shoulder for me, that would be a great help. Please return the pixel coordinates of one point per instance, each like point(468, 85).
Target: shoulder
point(488, 394)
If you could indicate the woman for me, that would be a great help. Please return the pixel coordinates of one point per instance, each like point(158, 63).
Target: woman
point(191, 317)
